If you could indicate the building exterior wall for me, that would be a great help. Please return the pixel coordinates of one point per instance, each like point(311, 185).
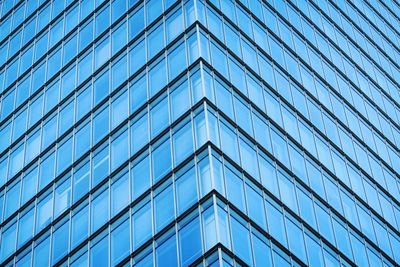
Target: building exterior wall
point(200, 132)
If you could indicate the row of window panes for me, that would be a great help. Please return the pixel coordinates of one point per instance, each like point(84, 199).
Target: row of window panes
point(250, 57)
point(386, 17)
point(239, 149)
point(221, 65)
point(40, 21)
point(368, 88)
point(71, 47)
point(363, 22)
point(221, 258)
point(176, 61)
point(391, 6)
point(72, 17)
point(322, 94)
point(350, 50)
point(20, 12)
point(348, 18)
point(113, 197)
point(244, 119)
point(368, 111)
point(153, 119)
point(268, 214)
point(358, 57)
point(184, 242)
point(280, 150)
point(252, 88)
point(298, 130)
point(114, 41)
point(152, 166)
point(389, 11)
point(180, 142)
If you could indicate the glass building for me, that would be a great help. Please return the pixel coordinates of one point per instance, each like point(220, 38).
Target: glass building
point(200, 132)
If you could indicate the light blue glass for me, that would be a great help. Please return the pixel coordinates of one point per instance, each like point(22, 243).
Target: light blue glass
point(164, 207)
point(60, 242)
point(190, 242)
point(120, 241)
point(161, 159)
point(166, 251)
point(186, 190)
point(99, 210)
point(99, 253)
point(141, 228)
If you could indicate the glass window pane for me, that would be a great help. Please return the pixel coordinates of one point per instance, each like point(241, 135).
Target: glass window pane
point(142, 229)
point(83, 102)
point(138, 92)
point(64, 155)
point(119, 109)
point(166, 251)
point(140, 175)
point(241, 240)
point(190, 242)
point(49, 132)
point(100, 165)
point(100, 125)
point(155, 39)
point(139, 133)
point(66, 117)
point(183, 143)
point(60, 242)
point(25, 227)
point(186, 190)
point(99, 253)
point(46, 173)
point(41, 253)
point(44, 212)
point(179, 100)
point(29, 184)
point(262, 251)
point(120, 242)
point(99, 210)
point(101, 87)
point(119, 149)
point(51, 96)
point(119, 193)
point(161, 159)
point(119, 72)
point(164, 208)
point(159, 116)
point(157, 77)
point(81, 180)
point(12, 198)
point(235, 187)
point(62, 197)
point(8, 241)
point(176, 61)
point(174, 24)
point(79, 228)
point(255, 205)
point(82, 140)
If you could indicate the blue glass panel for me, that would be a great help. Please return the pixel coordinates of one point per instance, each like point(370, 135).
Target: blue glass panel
point(99, 253)
point(190, 242)
point(141, 228)
point(120, 242)
point(166, 252)
point(186, 190)
point(161, 159)
point(164, 208)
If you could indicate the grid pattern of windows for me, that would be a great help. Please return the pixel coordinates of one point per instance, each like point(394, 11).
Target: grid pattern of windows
point(199, 133)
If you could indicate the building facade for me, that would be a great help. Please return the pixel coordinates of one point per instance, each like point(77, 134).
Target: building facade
point(200, 132)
